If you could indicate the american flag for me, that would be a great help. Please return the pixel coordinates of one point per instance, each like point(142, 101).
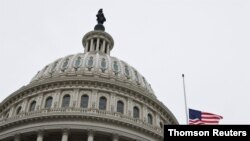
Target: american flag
point(203, 118)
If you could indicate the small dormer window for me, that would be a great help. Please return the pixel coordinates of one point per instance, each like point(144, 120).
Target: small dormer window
point(78, 62)
point(65, 64)
point(115, 66)
point(54, 67)
point(126, 71)
point(103, 63)
point(136, 77)
point(90, 61)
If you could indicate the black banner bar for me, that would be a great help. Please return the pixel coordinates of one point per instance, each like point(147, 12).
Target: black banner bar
point(172, 132)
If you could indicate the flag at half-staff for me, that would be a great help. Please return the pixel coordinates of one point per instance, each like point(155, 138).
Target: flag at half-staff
point(203, 118)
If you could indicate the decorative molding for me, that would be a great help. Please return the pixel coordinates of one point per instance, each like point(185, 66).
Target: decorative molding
point(79, 114)
point(59, 85)
point(80, 128)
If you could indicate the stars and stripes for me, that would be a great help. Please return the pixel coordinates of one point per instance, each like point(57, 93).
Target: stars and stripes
point(203, 118)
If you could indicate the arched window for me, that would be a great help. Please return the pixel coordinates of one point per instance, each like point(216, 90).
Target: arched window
point(66, 101)
point(136, 112)
point(150, 119)
point(18, 110)
point(120, 107)
point(84, 101)
point(48, 102)
point(102, 103)
point(32, 106)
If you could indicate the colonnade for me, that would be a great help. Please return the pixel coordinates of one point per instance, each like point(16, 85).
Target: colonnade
point(65, 136)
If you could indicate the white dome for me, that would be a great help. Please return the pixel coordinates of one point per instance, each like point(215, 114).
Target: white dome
point(96, 65)
point(85, 96)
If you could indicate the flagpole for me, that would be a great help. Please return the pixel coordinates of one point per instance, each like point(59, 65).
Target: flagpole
point(185, 99)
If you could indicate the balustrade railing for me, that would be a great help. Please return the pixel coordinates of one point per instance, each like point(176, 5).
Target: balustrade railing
point(81, 111)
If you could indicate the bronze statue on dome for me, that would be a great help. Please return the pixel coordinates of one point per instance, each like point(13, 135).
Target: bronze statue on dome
point(100, 20)
point(100, 17)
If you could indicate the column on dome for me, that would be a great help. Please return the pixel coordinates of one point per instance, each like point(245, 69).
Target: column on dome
point(25, 105)
point(92, 44)
point(17, 138)
point(86, 47)
point(154, 118)
point(65, 135)
point(108, 49)
point(91, 135)
point(115, 137)
point(39, 136)
point(103, 46)
point(56, 102)
point(112, 102)
point(39, 101)
point(11, 113)
point(75, 98)
point(93, 98)
point(97, 44)
point(129, 107)
point(144, 113)
point(98, 41)
point(157, 120)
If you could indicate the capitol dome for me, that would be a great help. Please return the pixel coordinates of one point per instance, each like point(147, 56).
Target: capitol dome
point(89, 96)
point(95, 63)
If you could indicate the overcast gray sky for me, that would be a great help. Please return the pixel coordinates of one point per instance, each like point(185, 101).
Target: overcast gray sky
point(207, 40)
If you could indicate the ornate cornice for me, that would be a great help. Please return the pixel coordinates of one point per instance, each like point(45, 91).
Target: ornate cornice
point(80, 114)
point(89, 83)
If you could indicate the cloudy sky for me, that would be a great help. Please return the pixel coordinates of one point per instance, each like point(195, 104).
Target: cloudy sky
point(207, 40)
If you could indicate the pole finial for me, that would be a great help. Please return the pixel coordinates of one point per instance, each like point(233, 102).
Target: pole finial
point(182, 75)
